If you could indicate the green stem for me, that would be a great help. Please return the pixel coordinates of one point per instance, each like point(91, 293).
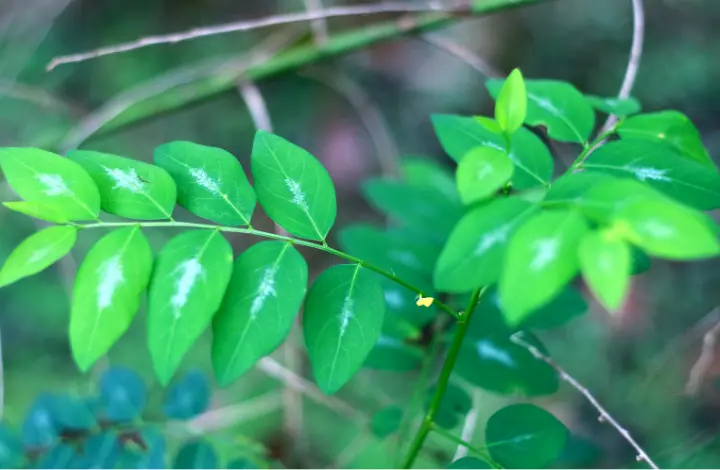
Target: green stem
point(476, 450)
point(303, 55)
point(445, 373)
point(258, 233)
point(589, 149)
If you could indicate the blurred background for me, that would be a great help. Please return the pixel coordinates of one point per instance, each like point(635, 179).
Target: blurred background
point(358, 113)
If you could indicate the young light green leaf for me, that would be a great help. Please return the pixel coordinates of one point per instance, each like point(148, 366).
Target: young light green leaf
point(618, 107)
point(39, 210)
point(211, 182)
point(557, 105)
point(511, 105)
point(342, 321)
point(44, 177)
point(671, 128)
point(386, 421)
point(525, 436)
point(541, 258)
point(666, 229)
point(425, 172)
point(266, 291)
point(474, 252)
point(293, 187)
point(660, 167)
point(491, 124)
point(481, 173)
point(129, 188)
point(187, 287)
point(37, 252)
point(533, 162)
point(605, 263)
point(107, 293)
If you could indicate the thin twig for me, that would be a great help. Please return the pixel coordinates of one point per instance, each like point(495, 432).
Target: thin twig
point(292, 397)
point(461, 52)
point(319, 25)
point(368, 112)
point(227, 416)
point(468, 430)
point(175, 78)
point(633, 63)
point(351, 450)
point(707, 355)
point(247, 25)
point(37, 96)
point(256, 105)
point(275, 370)
point(604, 415)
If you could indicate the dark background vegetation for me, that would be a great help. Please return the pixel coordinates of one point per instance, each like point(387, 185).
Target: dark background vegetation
point(637, 362)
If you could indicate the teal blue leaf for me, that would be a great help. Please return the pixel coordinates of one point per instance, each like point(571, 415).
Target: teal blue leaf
point(123, 394)
point(188, 397)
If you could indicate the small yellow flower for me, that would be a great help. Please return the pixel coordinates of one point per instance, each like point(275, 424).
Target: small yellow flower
point(424, 301)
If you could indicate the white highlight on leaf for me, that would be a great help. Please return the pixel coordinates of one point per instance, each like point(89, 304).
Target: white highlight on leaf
point(265, 289)
point(490, 239)
point(191, 270)
point(484, 171)
point(658, 229)
point(546, 250)
point(38, 255)
point(405, 257)
point(486, 349)
point(346, 315)
point(298, 195)
point(204, 180)
point(129, 180)
point(648, 173)
point(493, 145)
point(394, 299)
point(111, 277)
point(545, 104)
point(54, 184)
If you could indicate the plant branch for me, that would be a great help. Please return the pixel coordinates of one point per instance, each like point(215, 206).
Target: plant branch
point(633, 65)
point(469, 425)
point(227, 416)
point(604, 415)
point(462, 53)
point(464, 444)
point(318, 25)
point(295, 241)
point(445, 373)
point(247, 25)
point(700, 368)
point(256, 105)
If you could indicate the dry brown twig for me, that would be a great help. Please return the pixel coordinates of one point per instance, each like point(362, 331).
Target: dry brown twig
point(462, 53)
point(247, 25)
point(707, 355)
point(604, 415)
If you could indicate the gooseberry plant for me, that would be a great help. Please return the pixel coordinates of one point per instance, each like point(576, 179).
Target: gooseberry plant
point(480, 260)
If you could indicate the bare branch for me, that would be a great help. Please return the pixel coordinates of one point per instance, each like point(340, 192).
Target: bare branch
point(175, 78)
point(256, 105)
point(275, 370)
point(634, 62)
point(227, 416)
point(319, 26)
point(604, 415)
point(368, 112)
point(468, 430)
point(463, 53)
point(700, 368)
point(247, 25)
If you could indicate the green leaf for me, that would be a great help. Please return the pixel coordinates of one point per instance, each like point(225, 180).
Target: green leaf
point(107, 293)
point(342, 321)
point(533, 163)
point(44, 177)
point(469, 462)
point(293, 187)
point(129, 188)
point(557, 105)
point(38, 210)
point(123, 394)
point(474, 252)
point(243, 463)
point(605, 262)
point(265, 293)
point(37, 252)
point(667, 230)
point(511, 105)
point(671, 128)
point(571, 187)
point(541, 258)
point(197, 454)
point(660, 167)
point(392, 354)
point(455, 404)
point(618, 107)
point(525, 436)
point(566, 306)
point(425, 172)
point(386, 421)
point(11, 449)
point(188, 397)
point(211, 182)
point(416, 207)
point(101, 450)
point(187, 287)
point(481, 173)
